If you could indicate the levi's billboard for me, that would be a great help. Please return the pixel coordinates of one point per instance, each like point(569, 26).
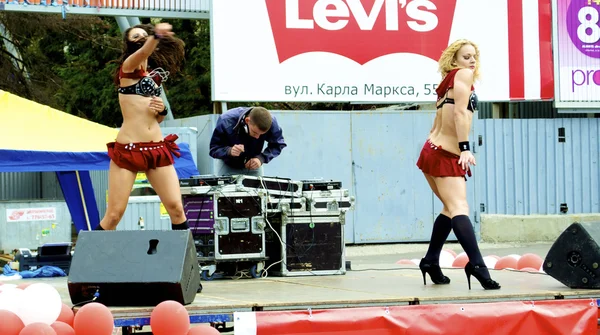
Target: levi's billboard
point(375, 50)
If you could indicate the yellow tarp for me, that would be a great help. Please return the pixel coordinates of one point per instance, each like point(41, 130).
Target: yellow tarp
point(28, 125)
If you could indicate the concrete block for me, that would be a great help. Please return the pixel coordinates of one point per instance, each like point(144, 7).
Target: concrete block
point(528, 228)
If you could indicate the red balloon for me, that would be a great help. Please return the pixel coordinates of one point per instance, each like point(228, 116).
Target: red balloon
point(460, 261)
point(94, 319)
point(203, 330)
point(62, 328)
point(530, 261)
point(169, 318)
point(11, 324)
point(506, 262)
point(37, 328)
point(66, 315)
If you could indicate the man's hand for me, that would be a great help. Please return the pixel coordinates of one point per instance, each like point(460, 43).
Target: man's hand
point(237, 150)
point(157, 105)
point(253, 164)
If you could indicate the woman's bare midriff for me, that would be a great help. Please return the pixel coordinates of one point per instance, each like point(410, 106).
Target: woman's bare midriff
point(445, 133)
point(139, 121)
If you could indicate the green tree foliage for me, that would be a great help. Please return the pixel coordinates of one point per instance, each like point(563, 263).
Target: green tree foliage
point(71, 64)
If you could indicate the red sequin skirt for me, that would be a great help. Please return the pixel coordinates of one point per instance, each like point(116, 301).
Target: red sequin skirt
point(437, 162)
point(143, 156)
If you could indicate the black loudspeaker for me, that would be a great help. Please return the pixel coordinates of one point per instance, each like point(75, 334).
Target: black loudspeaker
point(134, 268)
point(574, 258)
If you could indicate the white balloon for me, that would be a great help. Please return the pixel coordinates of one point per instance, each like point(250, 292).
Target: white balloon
point(446, 259)
point(490, 262)
point(515, 256)
point(41, 303)
point(7, 286)
point(11, 299)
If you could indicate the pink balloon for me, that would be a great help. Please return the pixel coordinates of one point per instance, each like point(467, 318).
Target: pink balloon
point(62, 328)
point(94, 319)
point(66, 315)
point(460, 261)
point(11, 323)
point(203, 330)
point(169, 318)
point(37, 328)
point(506, 262)
point(530, 261)
point(23, 286)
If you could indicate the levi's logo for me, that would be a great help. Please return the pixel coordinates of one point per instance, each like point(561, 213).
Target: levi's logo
point(361, 30)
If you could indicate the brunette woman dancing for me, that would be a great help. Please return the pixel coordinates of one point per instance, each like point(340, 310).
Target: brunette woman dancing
point(150, 55)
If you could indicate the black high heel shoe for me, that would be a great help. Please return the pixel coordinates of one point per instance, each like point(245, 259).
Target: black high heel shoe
point(478, 272)
point(435, 272)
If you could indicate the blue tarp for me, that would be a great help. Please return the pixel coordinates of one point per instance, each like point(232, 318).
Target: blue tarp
point(43, 272)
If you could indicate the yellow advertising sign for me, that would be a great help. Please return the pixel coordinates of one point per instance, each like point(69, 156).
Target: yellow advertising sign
point(140, 177)
point(163, 211)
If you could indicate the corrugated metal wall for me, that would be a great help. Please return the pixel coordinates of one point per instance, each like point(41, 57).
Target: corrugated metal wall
point(20, 185)
point(204, 126)
point(527, 110)
point(532, 167)
point(522, 168)
point(100, 184)
point(373, 154)
point(51, 187)
point(29, 186)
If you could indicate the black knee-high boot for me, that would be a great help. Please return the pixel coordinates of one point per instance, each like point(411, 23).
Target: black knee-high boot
point(441, 229)
point(181, 226)
point(463, 229)
point(430, 263)
point(461, 224)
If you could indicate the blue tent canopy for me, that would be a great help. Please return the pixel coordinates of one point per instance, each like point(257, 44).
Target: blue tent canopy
point(38, 138)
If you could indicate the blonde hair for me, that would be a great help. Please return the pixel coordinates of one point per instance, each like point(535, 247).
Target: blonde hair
point(449, 56)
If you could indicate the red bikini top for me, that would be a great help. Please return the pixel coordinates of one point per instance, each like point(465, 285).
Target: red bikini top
point(448, 83)
point(137, 74)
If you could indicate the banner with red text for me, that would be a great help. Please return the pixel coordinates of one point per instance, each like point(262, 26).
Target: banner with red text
point(500, 318)
point(375, 50)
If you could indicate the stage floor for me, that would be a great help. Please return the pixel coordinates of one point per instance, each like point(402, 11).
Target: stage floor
point(386, 287)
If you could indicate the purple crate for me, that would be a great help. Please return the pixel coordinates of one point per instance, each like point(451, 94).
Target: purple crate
point(199, 211)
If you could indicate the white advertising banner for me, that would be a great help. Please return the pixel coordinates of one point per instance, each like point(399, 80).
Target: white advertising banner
point(375, 50)
point(30, 214)
point(577, 53)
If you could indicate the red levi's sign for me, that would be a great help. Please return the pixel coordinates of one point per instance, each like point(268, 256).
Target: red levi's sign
point(376, 51)
point(360, 30)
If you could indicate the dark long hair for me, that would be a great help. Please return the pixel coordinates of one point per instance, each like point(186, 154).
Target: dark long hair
point(169, 53)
